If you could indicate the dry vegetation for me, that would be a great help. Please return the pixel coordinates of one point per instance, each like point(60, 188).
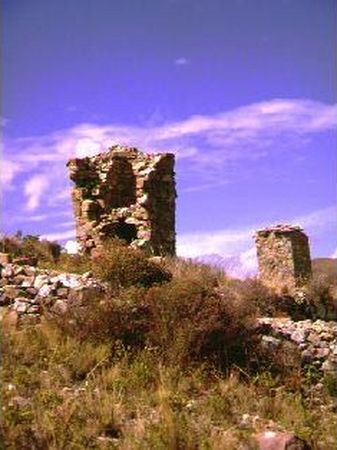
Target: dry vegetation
point(166, 360)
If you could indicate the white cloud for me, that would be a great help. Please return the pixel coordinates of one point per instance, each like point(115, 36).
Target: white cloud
point(182, 61)
point(221, 242)
point(35, 187)
point(334, 255)
point(209, 148)
point(8, 170)
point(71, 247)
point(209, 142)
point(238, 242)
point(248, 260)
point(315, 221)
point(59, 235)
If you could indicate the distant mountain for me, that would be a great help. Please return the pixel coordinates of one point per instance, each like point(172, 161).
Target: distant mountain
point(239, 266)
point(326, 266)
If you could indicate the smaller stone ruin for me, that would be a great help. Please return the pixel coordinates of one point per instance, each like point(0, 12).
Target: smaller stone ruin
point(284, 257)
point(127, 194)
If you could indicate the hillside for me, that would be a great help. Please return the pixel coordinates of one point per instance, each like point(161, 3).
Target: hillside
point(326, 266)
point(137, 353)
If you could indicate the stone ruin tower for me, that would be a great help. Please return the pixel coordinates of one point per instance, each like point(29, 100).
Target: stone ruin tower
point(283, 256)
point(127, 194)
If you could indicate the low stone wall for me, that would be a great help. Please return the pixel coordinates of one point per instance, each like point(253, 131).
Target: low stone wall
point(28, 290)
point(316, 340)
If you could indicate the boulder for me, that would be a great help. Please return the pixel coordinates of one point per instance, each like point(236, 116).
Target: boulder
point(280, 440)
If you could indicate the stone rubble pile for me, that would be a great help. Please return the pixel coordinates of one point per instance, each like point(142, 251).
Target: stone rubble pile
point(316, 340)
point(29, 291)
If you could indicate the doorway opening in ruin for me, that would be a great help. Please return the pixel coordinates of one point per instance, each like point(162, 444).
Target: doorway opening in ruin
point(120, 186)
point(121, 230)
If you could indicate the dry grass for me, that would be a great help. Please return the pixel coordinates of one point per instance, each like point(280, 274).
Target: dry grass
point(60, 393)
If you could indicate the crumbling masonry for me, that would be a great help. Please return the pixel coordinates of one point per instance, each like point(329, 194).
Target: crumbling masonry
point(127, 194)
point(284, 257)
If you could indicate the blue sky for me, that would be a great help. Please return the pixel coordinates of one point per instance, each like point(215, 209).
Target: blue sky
point(243, 91)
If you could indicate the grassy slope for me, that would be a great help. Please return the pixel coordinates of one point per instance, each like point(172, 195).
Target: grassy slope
point(59, 393)
point(92, 385)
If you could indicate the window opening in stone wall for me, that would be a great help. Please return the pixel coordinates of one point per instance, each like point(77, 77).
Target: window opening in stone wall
point(121, 230)
point(120, 187)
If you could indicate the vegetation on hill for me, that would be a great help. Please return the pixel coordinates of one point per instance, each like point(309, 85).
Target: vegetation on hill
point(325, 266)
point(168, 359)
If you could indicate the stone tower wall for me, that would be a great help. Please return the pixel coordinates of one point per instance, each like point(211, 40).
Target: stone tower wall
point(127, 194)
point(283, 257)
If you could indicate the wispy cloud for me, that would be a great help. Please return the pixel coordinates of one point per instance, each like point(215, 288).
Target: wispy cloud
point(234, 242)
point(59, 235)
point(182, 61)
point(9, 169)
point(211, 145)
point(35, 187)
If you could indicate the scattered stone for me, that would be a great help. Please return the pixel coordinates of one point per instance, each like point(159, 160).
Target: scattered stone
point(20, 306)
point(5, 258)
point(60, 307)
point(280, 440)
point(40, 281)
point(19, 402)
point(45, 290)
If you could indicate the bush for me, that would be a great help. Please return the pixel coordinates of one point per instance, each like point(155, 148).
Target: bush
point(30, 246)
point(69, 263)
point(121, 317)
point(184, 320)
point(321, 297)
point(261, 298)
point(190, 322)
point(123, 266)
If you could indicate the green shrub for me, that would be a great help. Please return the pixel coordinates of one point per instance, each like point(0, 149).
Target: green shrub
point(121, 317)
point(123, 266)
point(77, 263)
point(321, 296)
point(183, 320)
point(189, 322)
